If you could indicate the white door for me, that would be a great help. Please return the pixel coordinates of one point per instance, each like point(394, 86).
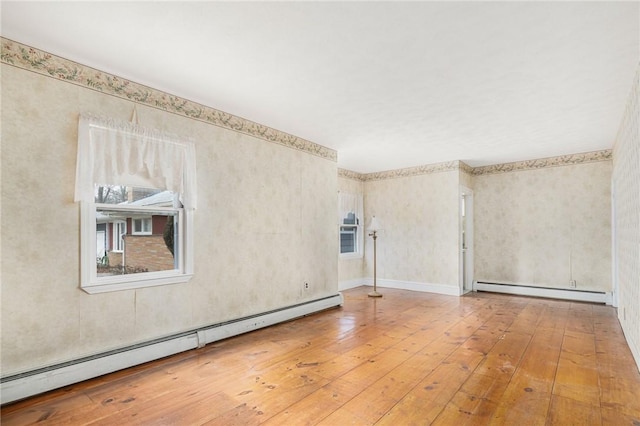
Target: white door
point(101, 240)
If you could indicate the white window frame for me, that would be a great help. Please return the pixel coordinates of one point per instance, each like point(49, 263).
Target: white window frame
point(142, 220)
point(113, 152)
point(355, 230)
point(91, 283)
point(359, 228)
point(118, 241)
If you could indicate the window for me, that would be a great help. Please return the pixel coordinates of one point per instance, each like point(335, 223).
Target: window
point(349, 214)
point(142, 226)
point(136, 188)
point(155, 242)
point(349, 234)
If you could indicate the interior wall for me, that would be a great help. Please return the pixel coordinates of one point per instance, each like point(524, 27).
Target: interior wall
point(466, 176)
point(626, 183)
point(545, 226)
point(419, 242)
point(265, 224)
point(350, 269)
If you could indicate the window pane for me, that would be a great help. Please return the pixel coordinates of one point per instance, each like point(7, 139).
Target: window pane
point(155, 250)
point(348, 239)
point(142, 225)
point(350, 219)
point(111, 194)
point(132, 195)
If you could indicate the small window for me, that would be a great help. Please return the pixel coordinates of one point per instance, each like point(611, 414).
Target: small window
point(350, 225)
point(142, 226)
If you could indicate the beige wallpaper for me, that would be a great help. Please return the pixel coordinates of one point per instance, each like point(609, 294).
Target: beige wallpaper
point(541, 222)
point(545, 226)
point(350, 270)
point(626, 178)
point(466, 176)
point(418, 206)
point(419, 213)
point(254, 245)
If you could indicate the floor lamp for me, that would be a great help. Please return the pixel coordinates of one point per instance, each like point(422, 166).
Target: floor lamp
point(374, 227)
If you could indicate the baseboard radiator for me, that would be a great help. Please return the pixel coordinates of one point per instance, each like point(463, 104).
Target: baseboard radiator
point(23, 385)
point(548, 292)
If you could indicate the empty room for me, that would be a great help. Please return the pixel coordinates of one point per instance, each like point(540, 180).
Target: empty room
point(320, 213)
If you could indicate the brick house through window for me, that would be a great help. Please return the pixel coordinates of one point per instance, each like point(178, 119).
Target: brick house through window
point(136, 242)
point(148, 251)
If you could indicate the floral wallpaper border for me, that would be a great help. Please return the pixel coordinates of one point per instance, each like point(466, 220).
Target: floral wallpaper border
point(466, 168)
point(563, 160)
point(38, 61)
point(348, 174)
point(414, 171)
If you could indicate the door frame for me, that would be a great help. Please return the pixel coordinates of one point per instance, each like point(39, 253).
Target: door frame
point(466, 256)
point(614, 248)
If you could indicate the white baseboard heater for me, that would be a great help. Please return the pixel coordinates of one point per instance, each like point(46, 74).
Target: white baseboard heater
point(548, 292)
point(23, 385)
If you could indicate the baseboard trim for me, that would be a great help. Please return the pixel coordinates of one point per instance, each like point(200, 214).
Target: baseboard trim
point(551, 293)
point(26, 384)
point(407, 285)
point(448, 290)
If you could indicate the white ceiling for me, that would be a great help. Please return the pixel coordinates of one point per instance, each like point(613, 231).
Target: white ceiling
point(386, 84)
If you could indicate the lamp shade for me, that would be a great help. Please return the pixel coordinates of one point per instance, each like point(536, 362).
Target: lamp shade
point(374, 225)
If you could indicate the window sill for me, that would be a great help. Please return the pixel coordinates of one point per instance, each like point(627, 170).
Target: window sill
point(118, 284)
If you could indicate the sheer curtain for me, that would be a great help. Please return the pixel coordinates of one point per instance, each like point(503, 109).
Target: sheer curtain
point(122, 153)
point(349, 203)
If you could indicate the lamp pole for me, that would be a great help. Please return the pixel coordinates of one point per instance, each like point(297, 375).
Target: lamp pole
point(374, 293)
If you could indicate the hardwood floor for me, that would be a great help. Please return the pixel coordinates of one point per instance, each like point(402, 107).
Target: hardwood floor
point(406, 359)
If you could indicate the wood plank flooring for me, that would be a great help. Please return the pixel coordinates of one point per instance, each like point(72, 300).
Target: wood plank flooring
point(406, 359)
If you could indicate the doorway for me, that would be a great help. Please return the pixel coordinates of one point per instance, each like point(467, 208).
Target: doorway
point(466, 240)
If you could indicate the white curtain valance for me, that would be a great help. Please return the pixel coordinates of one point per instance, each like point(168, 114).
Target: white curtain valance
point(113, 152)
point(349, 203)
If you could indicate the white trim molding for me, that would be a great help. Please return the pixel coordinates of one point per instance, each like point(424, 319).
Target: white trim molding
point(551, 293)
point(449, 290)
